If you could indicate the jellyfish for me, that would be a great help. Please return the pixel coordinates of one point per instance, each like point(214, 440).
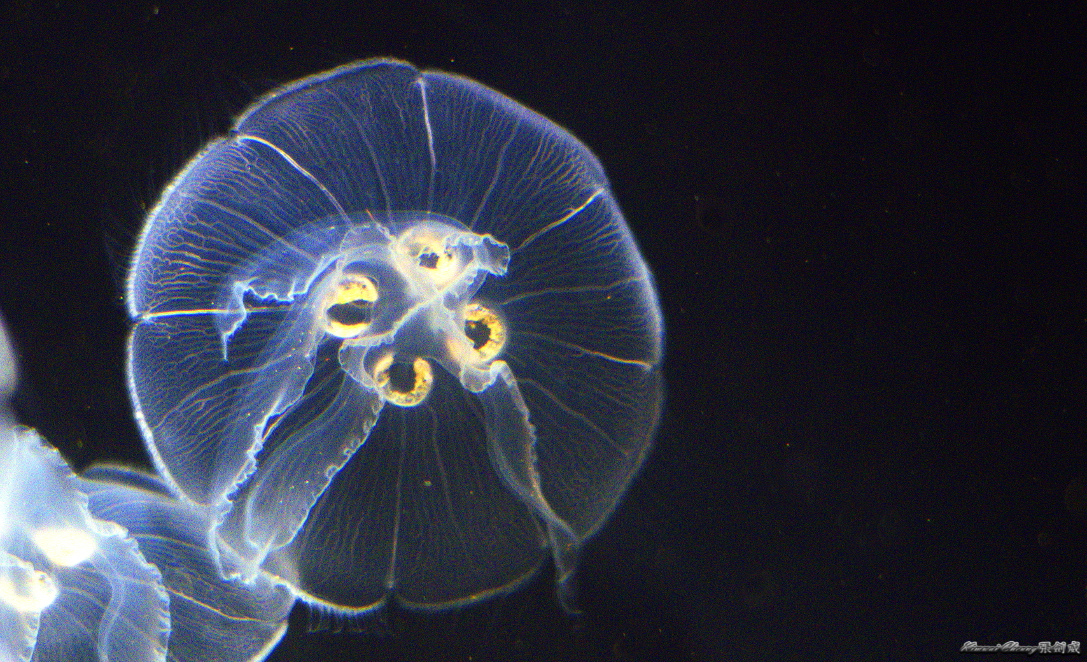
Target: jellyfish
point(110, 566)
point(394, 335)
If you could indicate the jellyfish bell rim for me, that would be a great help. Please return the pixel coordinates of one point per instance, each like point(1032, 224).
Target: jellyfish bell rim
point(392, 596)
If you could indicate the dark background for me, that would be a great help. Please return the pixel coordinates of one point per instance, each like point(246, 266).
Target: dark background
point(867, 226)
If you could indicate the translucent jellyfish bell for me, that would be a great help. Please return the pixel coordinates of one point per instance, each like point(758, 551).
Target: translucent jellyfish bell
point(72, 587)
point(394, 332)
point(111, 567)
